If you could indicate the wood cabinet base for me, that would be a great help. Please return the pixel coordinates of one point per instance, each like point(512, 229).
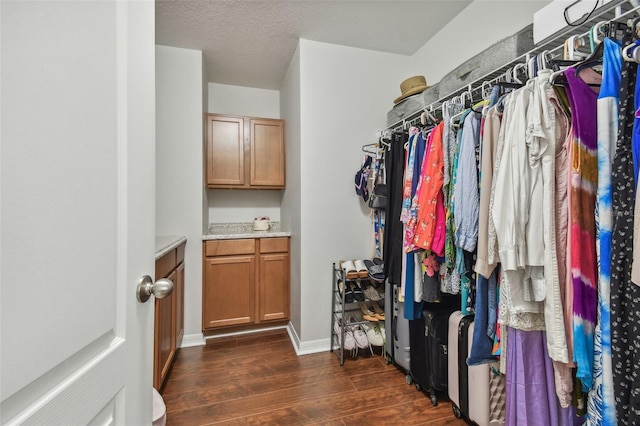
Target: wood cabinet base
point(245, 282)
point(169, 315)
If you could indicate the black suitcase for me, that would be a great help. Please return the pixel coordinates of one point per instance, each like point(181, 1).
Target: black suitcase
point(429, 355)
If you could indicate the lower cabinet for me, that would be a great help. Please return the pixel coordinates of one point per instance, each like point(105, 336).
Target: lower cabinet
point(246, 281)
point(169, 315)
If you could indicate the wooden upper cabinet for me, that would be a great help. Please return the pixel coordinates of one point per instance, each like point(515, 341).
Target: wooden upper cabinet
point(267, 153)
point(245, 152)
point(225, 151)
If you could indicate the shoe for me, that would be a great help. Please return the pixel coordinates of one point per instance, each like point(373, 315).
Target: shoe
point(367, 315)
point(378, 311)
point(375, 268)
point(373, 334)
point(359, 335)
point(363, 272)
point(371, 292)
point(358, 295)
point(349, 339)
point(349, 269)
point(348, 294)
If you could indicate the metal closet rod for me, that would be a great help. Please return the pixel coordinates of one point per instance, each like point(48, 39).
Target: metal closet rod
point(551, 48)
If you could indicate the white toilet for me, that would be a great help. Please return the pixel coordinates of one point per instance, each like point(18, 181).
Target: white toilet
point(159, 409)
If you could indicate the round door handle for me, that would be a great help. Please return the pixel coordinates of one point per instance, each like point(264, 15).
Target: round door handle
point(146, 287)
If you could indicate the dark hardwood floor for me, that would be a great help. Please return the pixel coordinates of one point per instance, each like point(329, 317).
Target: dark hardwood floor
point(258, 379)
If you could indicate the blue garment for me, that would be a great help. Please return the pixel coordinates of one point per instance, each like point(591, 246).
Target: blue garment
point(601, 401)
point(492, 304)
point(466, 195)
point(481, 345)
point(420, 148)
point(412, 310)
point(635, 140)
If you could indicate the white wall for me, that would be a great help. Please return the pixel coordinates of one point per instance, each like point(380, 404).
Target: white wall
point(469, 34)
point(291, 203)
point(344, 96)
point(243, 205)
point(239, 100)
point(179, 101)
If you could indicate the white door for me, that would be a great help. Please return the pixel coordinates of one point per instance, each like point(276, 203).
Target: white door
point(77, 173)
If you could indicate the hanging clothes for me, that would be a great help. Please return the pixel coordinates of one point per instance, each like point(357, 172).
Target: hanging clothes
point(488, 156)
point(432, 179)
point(563, 371)
point(467, 198)
point(601, 402)
point(531, 398)
point(584, 172)
point(449, 276)
point(392, 246)
point(625, 296)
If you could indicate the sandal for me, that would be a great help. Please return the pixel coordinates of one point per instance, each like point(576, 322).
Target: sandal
point(378, 311)
point(376, 270)
point(358, 295)
point(372, 293)
point(348, 294)
point(349, 269)
point(367, 315)
point(363, 271)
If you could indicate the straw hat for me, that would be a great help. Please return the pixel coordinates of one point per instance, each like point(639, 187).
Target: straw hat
point(411, 86)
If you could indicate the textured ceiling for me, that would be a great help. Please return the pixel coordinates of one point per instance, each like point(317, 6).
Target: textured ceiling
point(250, 43)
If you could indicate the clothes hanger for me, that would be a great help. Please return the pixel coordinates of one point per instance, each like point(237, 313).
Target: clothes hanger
point(631, 53)
point(597, 31)
point(455, 119)
point(532, 67)
point(485, 90)
point(517, 68)
point(593, 60)
point(385, 138)
point(370, 149)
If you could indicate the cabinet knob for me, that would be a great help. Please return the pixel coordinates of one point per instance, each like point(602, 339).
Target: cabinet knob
point(146, 287)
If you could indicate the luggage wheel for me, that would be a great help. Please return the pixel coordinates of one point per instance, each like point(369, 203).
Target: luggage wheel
point(408, 379)
point(389, 360)
point(434, 400)
point(456, 411)
point(418, 388)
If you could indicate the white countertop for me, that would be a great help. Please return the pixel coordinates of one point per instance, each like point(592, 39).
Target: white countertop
point(230, 231)
point(166, 243)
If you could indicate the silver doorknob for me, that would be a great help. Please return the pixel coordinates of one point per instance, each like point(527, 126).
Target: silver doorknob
point(146, 287)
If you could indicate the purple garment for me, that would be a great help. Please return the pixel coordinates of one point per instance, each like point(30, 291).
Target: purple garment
point(531, 394)
point(582, 226)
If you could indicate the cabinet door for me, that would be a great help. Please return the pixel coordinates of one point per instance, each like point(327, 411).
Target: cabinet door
point(164, 341)
point(267, 153)
point(225, 151)
point(178, 292)
point(274, 286)
point(229, 291)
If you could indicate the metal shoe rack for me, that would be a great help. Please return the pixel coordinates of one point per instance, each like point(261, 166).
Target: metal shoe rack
point(340, 311)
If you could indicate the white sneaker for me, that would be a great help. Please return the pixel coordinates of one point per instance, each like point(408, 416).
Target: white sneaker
point(360, 336)
point(349, 339)
point(373, 334)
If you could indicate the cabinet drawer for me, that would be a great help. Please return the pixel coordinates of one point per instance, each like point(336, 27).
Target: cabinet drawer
point(274, 245)
point(165, 264)
point(228, 247)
